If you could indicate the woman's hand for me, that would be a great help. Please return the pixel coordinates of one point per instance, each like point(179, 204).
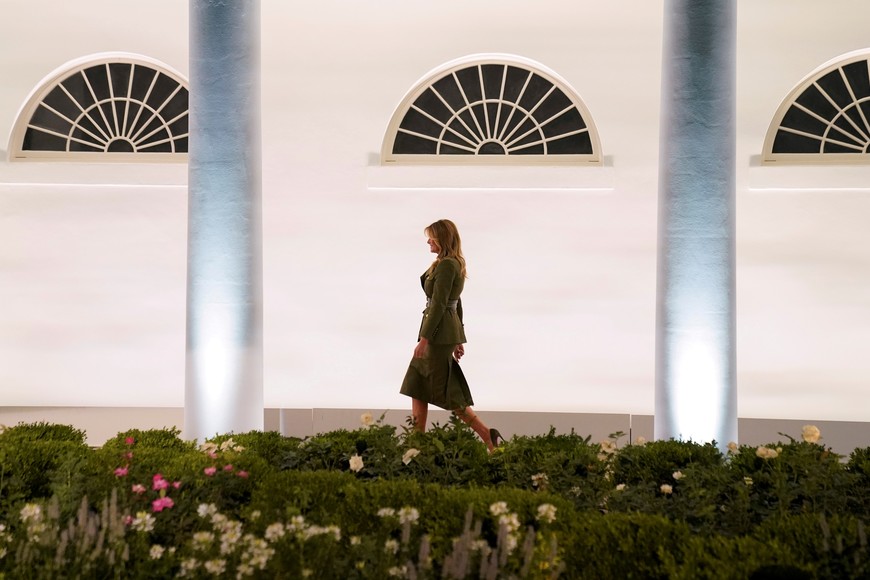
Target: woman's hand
point(422, 348)
point(459, 351)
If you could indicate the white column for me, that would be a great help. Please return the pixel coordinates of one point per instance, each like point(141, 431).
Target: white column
point(224, 374)
point(696, 395)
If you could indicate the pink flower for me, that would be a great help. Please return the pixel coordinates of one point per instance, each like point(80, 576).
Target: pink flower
point(159, 482)
point(158, 505)
point(121, 471)
point(209, 471)
point(138, 489)
point(242, 474)
point(128, 519)
point(129, 455)
point(228, 467)
point(176, 484)
point(129, 441)
point(212, 454)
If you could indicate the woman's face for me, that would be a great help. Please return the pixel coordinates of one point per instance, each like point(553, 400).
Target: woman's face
point(433, 246)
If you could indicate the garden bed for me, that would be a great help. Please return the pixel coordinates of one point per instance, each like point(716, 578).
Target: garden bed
point(380, 502)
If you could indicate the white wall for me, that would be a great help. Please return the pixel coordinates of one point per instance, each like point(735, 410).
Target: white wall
point(560, 303)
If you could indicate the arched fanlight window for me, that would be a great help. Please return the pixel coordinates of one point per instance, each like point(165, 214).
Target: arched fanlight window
point(826, 117)
point(105, 107)
point(491, 109)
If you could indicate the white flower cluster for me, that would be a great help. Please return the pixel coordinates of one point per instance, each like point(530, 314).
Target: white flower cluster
point(540, 480)
point(409, 455)
point(356, 463)
point(366, 419)
point(509, 520)
point(608, 448)
point(766, 452)
point(211, 448)
point(677, 475)
point(300, 529)
point(733, 448)
point(254, 552)
point(143, 522)
point(666, 489)
point(811, 434)
point(546, 513)
point(406, 514)
point(5, 538)
point(31, 514)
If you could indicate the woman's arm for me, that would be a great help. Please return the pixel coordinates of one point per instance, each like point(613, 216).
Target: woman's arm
point(445, 273)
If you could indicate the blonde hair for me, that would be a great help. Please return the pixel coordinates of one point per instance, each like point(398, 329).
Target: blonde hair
point(446, 235)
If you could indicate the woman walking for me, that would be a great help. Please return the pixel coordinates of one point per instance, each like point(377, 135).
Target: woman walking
point(434, 375)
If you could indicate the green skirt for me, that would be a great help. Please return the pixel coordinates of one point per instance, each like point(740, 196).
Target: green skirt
point(437, 379)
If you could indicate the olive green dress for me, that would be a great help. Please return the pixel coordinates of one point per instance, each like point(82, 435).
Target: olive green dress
point(437, 378)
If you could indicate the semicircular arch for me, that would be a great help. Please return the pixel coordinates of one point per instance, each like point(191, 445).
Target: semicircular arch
point(825, 118)
point(105, 107)
point(488, 109)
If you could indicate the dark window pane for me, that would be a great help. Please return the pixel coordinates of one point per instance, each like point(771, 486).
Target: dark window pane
point(854, 114)
point(179, 127)
point(430, 103)
point(513, 117)
point(448, 150)
point(99, 81)
point(469, 121)
point(526, 126)
point(131, 116)
point(419, 123)
point(86, 124)
point(35, 140)
point(481, 117)
point(176, 106)
point(834, 148)
point(470, 80)
point(447, 88)
point(847, 132)
point(46, 119)
point(533, 150)
point(413, 145)
point(58, 100)
point(786, 142)
point(536, 90)
point(460, 128)
point(832, 83)
point(181, 145)
point(816, 102)
point(579, 144)
point(142, 77)
point(162, 89)
point(120, 78)
point(88, 145)
point(492, 76)
point(532, 137)
point(858, 78)
point(492, 110)
point(76, 86)
point(516, 78)
point(552, 105)
point(797, 119)
point(568, 121)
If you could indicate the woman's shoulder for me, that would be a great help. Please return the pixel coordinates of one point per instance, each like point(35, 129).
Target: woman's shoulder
point(448, 263)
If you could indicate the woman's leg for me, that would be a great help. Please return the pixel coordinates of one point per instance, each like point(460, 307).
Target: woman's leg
point(420, 413)
point(472, 420)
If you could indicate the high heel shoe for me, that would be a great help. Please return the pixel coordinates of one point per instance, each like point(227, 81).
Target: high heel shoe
point(495, 437)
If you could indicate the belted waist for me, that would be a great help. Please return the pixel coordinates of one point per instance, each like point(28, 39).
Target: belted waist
point(451, 304)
